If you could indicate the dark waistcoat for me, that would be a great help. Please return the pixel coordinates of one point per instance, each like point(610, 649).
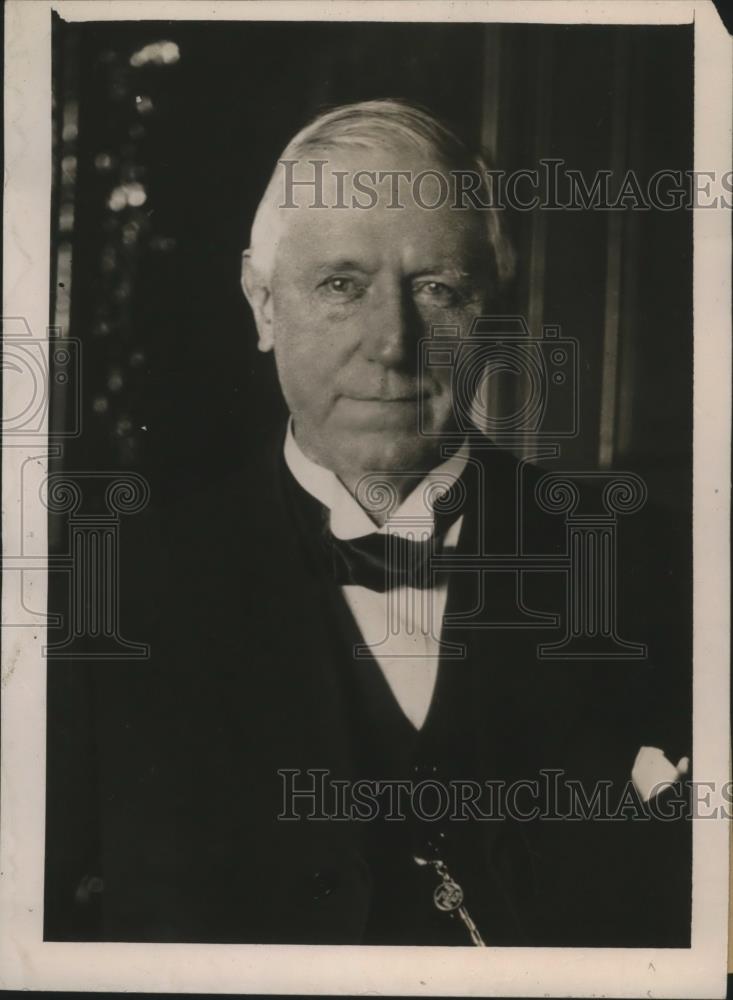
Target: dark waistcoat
point(431, 762)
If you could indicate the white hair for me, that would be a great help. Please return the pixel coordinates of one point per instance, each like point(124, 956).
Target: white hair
point(382, 124)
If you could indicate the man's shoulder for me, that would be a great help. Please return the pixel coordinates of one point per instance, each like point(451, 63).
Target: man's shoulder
point(238, 497)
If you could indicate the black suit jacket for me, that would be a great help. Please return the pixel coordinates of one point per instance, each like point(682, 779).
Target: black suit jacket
point(164, 791)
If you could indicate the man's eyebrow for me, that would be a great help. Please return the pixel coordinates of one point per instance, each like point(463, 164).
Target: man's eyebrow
point(344, 264)
point(445, 269)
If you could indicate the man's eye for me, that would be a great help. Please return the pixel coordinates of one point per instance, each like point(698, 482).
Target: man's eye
point(341, 287)
point(438, 293)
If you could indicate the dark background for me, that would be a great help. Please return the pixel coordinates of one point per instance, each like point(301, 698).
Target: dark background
point(172, 385)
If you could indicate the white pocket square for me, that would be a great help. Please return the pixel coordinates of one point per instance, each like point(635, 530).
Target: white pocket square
point(652, 772)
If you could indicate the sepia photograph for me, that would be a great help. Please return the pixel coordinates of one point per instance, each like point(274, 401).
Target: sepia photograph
point(366, 499)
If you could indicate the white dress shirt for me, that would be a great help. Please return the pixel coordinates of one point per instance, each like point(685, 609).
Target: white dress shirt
point(401, 626)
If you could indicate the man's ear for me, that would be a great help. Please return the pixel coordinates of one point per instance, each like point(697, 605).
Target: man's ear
point(257, 292)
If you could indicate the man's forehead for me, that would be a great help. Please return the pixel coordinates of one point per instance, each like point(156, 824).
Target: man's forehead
point(337, 208)
point(367, 239)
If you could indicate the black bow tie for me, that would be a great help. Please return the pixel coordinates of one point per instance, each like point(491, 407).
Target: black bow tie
point(380, 561)
point(377, 561)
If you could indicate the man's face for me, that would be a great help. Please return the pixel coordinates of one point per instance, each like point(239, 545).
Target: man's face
point(352, 293)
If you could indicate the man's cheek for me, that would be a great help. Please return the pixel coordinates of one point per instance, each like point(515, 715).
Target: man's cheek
point(295, 349)
point(443, 393)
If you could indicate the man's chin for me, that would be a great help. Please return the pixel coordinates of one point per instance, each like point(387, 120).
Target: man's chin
point(394, 451)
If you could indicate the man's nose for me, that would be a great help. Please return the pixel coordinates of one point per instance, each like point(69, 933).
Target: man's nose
point(392, 329)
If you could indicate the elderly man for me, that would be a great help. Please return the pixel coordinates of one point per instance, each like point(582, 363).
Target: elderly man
point(345, 733)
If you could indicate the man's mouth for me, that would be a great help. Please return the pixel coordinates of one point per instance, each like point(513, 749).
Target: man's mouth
point(408, 397)
point(397, 411)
